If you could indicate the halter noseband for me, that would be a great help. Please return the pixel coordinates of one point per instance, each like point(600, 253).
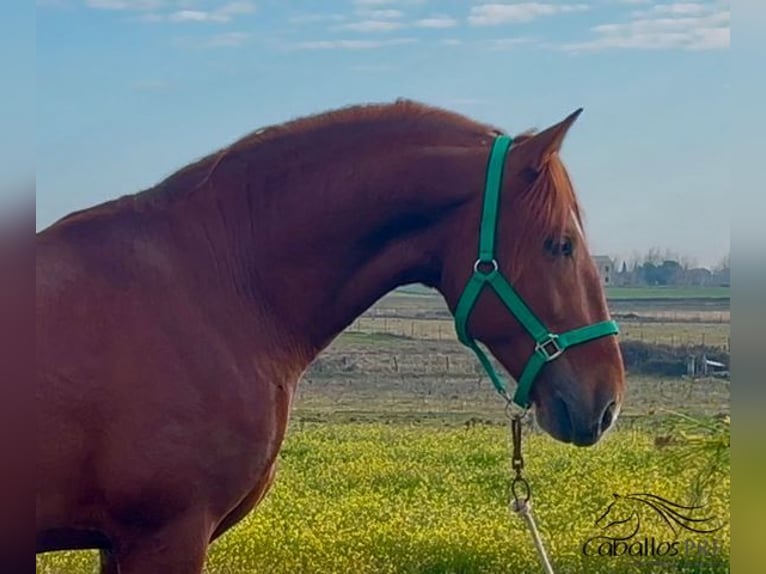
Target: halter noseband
point(548, 345)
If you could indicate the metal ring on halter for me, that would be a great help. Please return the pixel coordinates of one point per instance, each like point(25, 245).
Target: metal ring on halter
point(513, 410)
point(527, 492)
point(480, 262)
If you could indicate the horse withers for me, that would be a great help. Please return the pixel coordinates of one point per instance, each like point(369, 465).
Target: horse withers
point(173, 325)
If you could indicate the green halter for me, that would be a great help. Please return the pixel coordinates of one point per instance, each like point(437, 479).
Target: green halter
point(548, 346)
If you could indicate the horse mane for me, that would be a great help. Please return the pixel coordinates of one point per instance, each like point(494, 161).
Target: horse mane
point(410, 113)
point(547, 204)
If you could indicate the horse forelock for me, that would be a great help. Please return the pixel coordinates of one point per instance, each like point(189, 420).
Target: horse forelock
point(548, 209)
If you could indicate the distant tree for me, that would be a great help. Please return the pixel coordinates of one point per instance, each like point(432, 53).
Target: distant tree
point(635, 261)
point(669, 273)
point(654, 256)
point(657, 266)
point(722, 264)
point(648, 273)
point(670, 255)
point(721, 272)
point(688, 262)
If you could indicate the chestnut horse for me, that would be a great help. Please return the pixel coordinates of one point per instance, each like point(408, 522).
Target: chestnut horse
point(173, 325)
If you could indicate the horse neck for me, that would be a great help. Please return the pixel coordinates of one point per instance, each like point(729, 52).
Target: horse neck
point(309, 243)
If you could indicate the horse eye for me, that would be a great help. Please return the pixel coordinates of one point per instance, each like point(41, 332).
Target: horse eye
point(567, 248)
point(555, 248)
point(551, 247)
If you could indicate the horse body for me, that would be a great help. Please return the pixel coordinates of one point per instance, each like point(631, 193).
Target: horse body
point(174, 325)
point(154, 404)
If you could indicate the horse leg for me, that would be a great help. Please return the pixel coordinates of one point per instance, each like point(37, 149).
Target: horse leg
point(178, 548)
point(247, 504)
point(108, 562)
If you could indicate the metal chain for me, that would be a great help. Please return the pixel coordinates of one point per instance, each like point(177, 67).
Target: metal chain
point(520, 489)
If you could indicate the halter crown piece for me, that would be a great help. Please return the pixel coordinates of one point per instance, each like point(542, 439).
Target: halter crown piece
point(486, 272)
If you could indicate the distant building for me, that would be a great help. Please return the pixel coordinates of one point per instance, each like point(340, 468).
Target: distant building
point(606, 270)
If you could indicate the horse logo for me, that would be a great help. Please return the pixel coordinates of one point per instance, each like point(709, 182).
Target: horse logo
point(676, 517)
point(622, 519)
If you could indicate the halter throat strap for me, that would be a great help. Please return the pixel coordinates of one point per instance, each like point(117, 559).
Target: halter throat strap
point(548, 346)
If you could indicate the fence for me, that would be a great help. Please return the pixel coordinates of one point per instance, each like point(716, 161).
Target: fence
point(400, 363)
point(458, 362)
point(675, 316)
point(681, 334)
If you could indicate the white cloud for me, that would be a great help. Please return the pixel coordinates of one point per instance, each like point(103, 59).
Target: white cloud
point(351, 44)
point(180, 10)
point(371, 26)
point(708, 31)
point(190, 16)
point(125, 4)
point(674, 9)
point(710, 39)
point(309, 18)
point(235, 8)
point(436, 22)
point(369, 3)
point(225, 13)
point(497, 14)
point(384, 14)
point(390, 21)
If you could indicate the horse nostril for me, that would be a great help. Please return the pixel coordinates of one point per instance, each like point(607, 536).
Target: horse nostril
point(608, 417)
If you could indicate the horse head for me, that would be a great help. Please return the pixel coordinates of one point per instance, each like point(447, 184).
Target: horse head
point(533, 295)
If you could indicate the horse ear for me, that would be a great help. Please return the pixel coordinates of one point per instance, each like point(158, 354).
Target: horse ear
point(537, 150)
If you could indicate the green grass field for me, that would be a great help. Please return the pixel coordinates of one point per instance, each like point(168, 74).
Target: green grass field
point(617, 293)
point(375, 498)
point(385, 473)
point(658, 292)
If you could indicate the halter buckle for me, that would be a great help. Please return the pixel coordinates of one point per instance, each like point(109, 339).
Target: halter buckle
point(549, 347)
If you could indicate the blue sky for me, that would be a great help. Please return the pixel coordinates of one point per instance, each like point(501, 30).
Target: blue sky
point(17, 134)
point(128, 91)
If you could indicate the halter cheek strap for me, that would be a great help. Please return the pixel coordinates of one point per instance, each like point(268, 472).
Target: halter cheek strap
point(486, 272)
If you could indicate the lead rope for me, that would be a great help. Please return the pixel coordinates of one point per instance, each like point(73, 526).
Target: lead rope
point(521, 493)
